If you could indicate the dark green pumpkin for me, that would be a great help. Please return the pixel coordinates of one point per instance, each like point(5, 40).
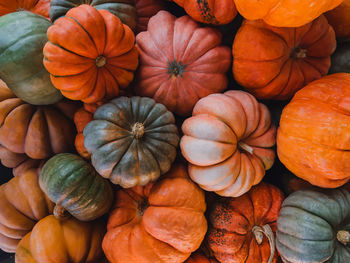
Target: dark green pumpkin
point(341, 59)
point(132, 141)
point(314, 226)
point(23, 36)
point(74, 186)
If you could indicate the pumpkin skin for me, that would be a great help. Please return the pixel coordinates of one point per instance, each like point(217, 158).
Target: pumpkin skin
point(341, 59)
point(74, 186)
point(132, 141)
point(227, 141)
point(40, 7)
point(90, 54)
point(67, 241)
point(313, 139)
point(200, 258)
point(274, 63)
point(145, 9)
point(163, 221)
point(21, 57)
point(22, 204)
point(339, 19)
point(309, 226)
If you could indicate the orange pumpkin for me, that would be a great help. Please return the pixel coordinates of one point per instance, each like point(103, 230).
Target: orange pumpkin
point(40, 7)
point(339, 19)
point(90, 54)
point(313, 139)
point(145, 9)
point(200, 258)
point(274, 63)
point(227, 142)
point(161, 222)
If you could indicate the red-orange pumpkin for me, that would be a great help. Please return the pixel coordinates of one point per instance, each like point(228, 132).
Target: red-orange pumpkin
point(41, 7)
point(145, 9)
point(339, 19)
point(200, 258)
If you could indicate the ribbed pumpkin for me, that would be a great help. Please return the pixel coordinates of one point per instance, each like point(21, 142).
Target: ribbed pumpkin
point(180, 62)
point(242, 229)
point(90, 55)
point(200, 258)
point(74, 186)
point(274, 63)
point(314, 226)
point(40, 7)
point(132, 141)
point(22, 204)
point(145, 9)
point(313, 140)
point(227, 142)
point(341, 59)
point(67, 241)
point(339, 19)
point(21, 55)
point(161, 222)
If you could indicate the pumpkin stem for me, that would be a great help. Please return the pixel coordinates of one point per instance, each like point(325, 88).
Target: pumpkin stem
point(299, 52)
point(259, 233)
point(343, 237)
point(60, 213)
point(138, 130)
point(176, 68)
point(100, 61)
point(245, 147)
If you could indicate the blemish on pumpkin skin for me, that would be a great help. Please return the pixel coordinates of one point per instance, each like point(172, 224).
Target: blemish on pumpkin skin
point(206, 13)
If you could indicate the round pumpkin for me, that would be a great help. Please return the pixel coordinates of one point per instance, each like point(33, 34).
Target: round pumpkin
point(314, 226)
point(90, 55)
point(145, 9)
point(132, 141)
point(227, 142)
point(200, 258)
point(22, 204)
point(74, 186)
point(341, 59)
point(339, 19)
point(274, 63)
point(313, 139)
point(180, 62)
point(40, 7)
point(161, 222)
point(67, 241)
point(21, 54)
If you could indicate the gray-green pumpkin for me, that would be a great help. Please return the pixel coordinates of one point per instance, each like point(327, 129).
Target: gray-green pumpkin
point(314, 226)
point(74, 186)
point(23, 36)
point(341, 59)
point(132, 141)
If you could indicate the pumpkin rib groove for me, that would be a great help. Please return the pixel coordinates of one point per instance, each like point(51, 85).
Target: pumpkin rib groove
point(27, 127)
point(315, 41)
point(305, 239)
point(161, 51)
point(114, 77)
point(155, 138)
point(153, 155)
point(67, 50)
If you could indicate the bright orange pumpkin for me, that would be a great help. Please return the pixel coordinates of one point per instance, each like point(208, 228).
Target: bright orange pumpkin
point(339, 19)
point(40, 7)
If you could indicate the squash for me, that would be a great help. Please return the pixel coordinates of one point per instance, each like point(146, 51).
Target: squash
point(313, 137)
point(274, 63)
point(90, 55)
point(21, 46)
point(180, 62)
point(341, 59)
point(74, 186)
point(132, 141)
point(314, 226)
point(161, 222)
point(200, 258)
point(40, 7)
point(145, 9)
point(227, 142)
point(339, 19)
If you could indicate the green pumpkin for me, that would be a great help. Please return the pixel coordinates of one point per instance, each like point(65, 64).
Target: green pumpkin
point(23, 36)
point(341, 59)
point(314, 226)
point(132, 141)
point(74, 186)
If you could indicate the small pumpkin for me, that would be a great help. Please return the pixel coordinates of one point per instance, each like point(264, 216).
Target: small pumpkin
point(313, 136)
point(341, 59)
point(161, 222)
point(274, 63)
point(145, 9)
point(74, 186)
point(339, 19)
point(227, 142)
point(40, 7)
point(200, 258)
point(90, 55)
point(313, 226)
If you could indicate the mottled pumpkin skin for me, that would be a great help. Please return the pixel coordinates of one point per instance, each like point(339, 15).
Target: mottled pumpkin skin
point(308, 224)
point(341, 59)
point(145, 9)
point(162, 222)
point(40, 7)
point(313, 139)
point(200, 258)
point(274, 63)
point(339, 19)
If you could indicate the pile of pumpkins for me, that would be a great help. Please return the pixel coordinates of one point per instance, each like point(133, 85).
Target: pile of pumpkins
point(140, 131)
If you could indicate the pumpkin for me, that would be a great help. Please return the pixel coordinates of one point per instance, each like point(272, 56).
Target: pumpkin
point(74, 186)
point(242, 229)
point(132, 141)
point(274, 63)
point(67, 241)
point(22, 204)
point(341, 59)
point(145, 9)
point(200, 258)
point(123, 9)
point(339, 19)
point(227, 142)
point(90, 55)
point(161, 222)
point(40, 7)
point(21, 46)
point(313, 139)
point(313, 226)
point(180, 62)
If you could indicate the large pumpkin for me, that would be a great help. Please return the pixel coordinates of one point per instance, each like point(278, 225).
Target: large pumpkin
point(40, 7)
point(313, 139)
point(21, 55)
point(22, 204)
point(132, 141)
point(341, 59)
point(90, 55)
point(314, 226)
point(180, 62)
point(161, 222)
point(339, 19)
point(145, 9)
point(227, 142)
point(273, 62)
